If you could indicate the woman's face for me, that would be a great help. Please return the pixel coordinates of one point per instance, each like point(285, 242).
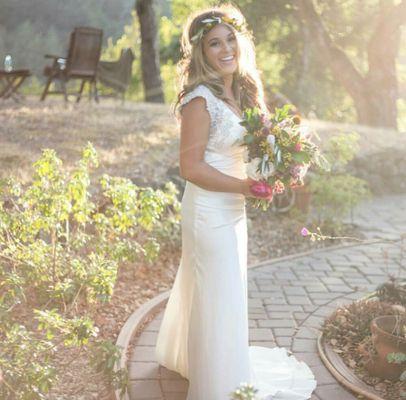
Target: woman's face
point(221, 49)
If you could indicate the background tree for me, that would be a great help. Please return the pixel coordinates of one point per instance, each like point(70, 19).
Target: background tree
point(149, 51)
point(375, 93)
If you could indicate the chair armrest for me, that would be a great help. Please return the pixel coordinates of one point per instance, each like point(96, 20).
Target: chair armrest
point(53, 56)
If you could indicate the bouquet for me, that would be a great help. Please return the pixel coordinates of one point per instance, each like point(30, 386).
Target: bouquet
point(279, 152)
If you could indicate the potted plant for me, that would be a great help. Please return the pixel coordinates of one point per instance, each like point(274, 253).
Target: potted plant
point(388, 338)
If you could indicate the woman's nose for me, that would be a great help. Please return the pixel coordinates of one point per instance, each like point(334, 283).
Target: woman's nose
point(227, 46)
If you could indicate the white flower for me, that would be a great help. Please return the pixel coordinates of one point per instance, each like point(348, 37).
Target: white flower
point(259, 168)
point(253, 169)
point(267, 168)
point(304, 131)
point(271, 140)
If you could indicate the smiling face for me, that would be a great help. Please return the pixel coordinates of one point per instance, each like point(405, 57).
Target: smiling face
point(221, 49)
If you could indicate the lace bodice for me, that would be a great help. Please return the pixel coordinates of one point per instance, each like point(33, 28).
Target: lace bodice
point(225, 131)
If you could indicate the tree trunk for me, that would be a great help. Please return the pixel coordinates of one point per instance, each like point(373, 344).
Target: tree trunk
point(376, 93)
point(305, 59)
point(149, 51)
point(381, 79)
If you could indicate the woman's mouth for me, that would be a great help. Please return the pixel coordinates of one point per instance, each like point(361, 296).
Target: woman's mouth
point(227, 60)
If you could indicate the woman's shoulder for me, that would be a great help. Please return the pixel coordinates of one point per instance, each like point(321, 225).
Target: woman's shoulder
point(201, 90)
point(204, 92)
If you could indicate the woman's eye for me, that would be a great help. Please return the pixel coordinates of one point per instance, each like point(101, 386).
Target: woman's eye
point(212, 44)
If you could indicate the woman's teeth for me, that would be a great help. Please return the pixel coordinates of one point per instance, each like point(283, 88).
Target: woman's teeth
point(229, 58)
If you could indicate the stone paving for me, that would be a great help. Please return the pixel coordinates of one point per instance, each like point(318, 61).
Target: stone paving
point(289, 299)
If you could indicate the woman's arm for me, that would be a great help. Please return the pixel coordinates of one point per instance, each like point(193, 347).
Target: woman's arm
point(194, 135)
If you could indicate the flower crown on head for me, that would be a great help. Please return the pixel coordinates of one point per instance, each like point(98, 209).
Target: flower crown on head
point(210, 22)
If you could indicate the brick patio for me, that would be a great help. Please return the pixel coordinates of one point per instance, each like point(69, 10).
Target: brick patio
point(288, 301)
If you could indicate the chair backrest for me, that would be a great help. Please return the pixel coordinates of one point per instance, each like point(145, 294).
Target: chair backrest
point(84, 52)
point(117, 74)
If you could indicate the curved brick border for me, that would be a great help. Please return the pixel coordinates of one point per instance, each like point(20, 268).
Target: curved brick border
point(302, 335)
point(131, 326)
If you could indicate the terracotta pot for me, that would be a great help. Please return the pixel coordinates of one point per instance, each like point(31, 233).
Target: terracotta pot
point(303, 197)
point(386, 341)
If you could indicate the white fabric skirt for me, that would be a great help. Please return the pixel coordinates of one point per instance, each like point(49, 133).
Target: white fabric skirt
point(204, 330)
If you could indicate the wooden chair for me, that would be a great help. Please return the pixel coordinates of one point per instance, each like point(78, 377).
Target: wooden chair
point(81, 63)
point(117, 74)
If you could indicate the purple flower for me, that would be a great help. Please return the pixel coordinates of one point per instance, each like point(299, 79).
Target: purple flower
point(304, 232)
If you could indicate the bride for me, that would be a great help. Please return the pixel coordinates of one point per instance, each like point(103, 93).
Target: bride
point(204, 331)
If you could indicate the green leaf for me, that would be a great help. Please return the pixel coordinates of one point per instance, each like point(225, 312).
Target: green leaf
point(248, 139)
point(301, 157)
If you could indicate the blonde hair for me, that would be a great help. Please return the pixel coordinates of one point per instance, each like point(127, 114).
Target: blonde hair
point(194, 69)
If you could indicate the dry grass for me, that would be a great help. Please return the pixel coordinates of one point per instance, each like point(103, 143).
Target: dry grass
point(135, 140)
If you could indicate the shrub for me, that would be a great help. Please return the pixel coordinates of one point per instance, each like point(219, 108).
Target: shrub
point(336, 192)
point(60, 250)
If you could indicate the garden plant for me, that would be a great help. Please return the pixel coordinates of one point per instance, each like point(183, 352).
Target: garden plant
point(63, 238)
point(336, 192)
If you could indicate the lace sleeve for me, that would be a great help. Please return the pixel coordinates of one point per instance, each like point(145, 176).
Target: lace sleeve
point(211, 104)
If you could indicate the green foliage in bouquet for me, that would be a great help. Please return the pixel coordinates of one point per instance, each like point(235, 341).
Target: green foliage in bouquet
point(61, 244)
point(335, 193)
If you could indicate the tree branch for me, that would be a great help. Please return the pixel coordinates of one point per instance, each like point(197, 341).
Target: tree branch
point(384, 41)
point(336, 59)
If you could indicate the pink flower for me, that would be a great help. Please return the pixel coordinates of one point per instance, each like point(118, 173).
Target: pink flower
point(298, 171)
point(304, 232)
point(298, 146)
point(262, 189)
point(264, 119)
point(279, 187)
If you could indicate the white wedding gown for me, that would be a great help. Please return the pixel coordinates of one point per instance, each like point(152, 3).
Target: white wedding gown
point(204, 330)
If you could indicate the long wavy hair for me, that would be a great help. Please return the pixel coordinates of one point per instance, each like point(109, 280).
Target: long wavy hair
point(194, 69)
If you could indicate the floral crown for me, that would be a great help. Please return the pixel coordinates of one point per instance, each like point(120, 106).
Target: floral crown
point(208, 23)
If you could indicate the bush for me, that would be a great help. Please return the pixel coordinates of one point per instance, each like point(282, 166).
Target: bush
point(336, 192)
point(60, 250)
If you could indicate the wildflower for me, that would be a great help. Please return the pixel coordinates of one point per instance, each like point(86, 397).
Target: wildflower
point(304, 232)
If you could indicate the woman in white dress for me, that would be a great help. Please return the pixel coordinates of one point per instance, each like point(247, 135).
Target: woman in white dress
point(204, 331)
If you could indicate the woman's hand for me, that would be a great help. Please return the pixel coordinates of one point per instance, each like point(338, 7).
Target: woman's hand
point(246, 187)
point(261, 190)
